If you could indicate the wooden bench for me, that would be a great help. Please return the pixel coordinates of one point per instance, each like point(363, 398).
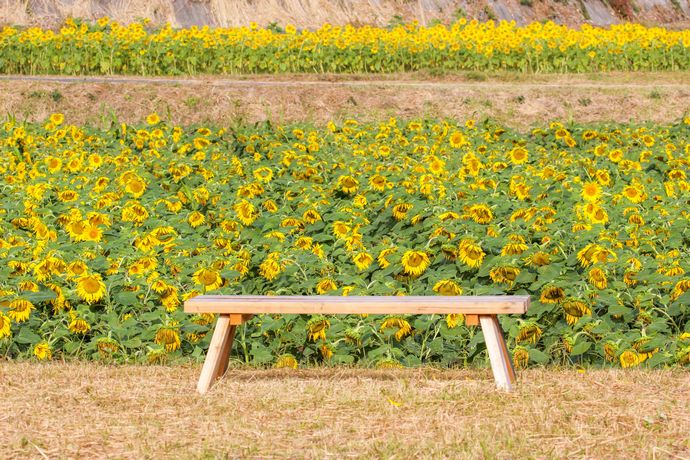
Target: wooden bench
point(235, 310)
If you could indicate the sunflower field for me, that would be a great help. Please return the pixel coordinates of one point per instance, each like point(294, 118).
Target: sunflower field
point(106, 47)
point(105, 232)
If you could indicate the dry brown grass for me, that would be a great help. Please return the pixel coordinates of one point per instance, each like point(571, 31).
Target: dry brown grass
point(84, 410)
point(514, 100)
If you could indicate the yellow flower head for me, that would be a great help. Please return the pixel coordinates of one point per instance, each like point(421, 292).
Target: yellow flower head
point(43, 351)
point(20, 310)
point(415, 262)
point(90, 288)
point(208, 278)
point(169, 338)
point(5, 326)
point(471, 254)
point(286, 360)
point(396, 322)
point(447, 287)
point(317, 327)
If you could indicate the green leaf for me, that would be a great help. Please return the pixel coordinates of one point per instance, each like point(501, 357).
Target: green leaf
point(27, 336)
point(580, 348)
point(538, 356)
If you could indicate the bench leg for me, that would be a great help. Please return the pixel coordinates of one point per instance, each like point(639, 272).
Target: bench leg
point(501, 365)
point(216, 362)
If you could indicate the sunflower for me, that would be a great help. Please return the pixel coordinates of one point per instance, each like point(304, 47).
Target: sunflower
point(515, 247)
point(680, 288)
point(134, 212)
point(480, 213)
point(79, 326)
point(43, 351)
point(348, 184)
point(597, 278)
point(362, 260)
point(382, 257)
point(92, 233)
point(326, 285)
point(270, 268)
point(263, 174)
point(454, 319)
point(168, 338)
point(304, 242)
point(591, 191)
point(610, 349)
point(378, 182)
point(574, 310)
point(326, 351)
point(286, 361)
point(457, 139)
point(5, 330)
point(520, 357)
point(106, 346)
point(53, 164)
point(596, 214)
point(317, 328)
point(629, 278)
point(400, 210)
point(246, 212)
point(504, 274)
point(629, 358)
point(20, 310)
point(57, 119)
point(153, 119)
point(540, 259)
point(341, 229)
point(529, 332)
point(634, 194)
point(447, 287)
point(415, 262)
point(552, 294)
point(471, 254)
point(90, 288)
point(399, 323)
point(209, 278)
point(518, 155)
point(311, 216)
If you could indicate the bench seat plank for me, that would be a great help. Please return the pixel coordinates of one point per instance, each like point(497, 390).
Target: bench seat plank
point(375, 305)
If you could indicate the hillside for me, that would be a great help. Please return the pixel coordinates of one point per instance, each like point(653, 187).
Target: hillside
point(313, 13)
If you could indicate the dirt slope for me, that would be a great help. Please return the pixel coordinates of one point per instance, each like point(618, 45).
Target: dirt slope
point(514, 100)
point(313, 13)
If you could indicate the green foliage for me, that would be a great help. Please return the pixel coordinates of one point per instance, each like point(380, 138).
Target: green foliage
point(103, 233)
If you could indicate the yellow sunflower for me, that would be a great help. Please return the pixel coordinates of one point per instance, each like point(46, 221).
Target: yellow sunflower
point(286, 361)
point(471, 254)
point(168, 338)
point(415, 262)
point(90, 288)
point(20, 310)
point(396, 322)
point(209, 278)
point(43, 351)
point(591, 191)
point(5, 330)
point(447, 287)
point(518, 155)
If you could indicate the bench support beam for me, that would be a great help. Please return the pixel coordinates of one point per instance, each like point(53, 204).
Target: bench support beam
point(501, 365)
point(216, 363)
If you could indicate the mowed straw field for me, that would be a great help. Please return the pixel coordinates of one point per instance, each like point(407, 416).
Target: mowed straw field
point(78, 410)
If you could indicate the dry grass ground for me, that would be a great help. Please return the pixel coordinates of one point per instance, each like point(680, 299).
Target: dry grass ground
point(84, 410)
point(519, 101)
